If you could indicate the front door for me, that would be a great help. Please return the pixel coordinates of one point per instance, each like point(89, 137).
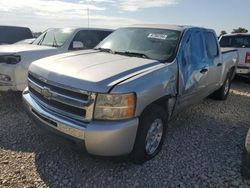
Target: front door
point(193, 69)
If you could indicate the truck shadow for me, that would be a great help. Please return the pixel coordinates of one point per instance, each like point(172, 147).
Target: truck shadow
point(202, 140)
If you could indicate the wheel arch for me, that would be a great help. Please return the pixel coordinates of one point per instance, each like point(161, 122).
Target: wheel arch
point(164, 103)
point(232, 72)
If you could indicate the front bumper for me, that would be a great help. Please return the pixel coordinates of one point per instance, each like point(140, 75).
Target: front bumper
point(7, 85)
point(103, 138)
point(18, 77)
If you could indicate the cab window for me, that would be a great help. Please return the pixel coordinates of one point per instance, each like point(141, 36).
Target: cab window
point(211, 45)
point(89, 38)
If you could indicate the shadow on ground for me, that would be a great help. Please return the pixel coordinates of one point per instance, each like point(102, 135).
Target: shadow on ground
point(203, 147)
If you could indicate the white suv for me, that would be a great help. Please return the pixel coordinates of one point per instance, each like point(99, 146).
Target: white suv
point(16, 58)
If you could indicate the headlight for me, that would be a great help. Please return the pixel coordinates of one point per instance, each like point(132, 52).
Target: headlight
point(10, 59)
point(115, 106)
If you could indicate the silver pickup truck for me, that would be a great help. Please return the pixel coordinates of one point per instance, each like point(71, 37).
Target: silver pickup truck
point(241, 42)
point(117, 99)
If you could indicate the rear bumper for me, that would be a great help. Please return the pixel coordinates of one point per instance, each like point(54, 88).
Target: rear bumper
point(103, 138)
point(243, 70)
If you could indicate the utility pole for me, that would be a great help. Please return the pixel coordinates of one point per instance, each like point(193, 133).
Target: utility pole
point(88, 15)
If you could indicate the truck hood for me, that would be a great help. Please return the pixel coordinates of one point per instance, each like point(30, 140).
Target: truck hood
point(16, 48)
point(91, 70)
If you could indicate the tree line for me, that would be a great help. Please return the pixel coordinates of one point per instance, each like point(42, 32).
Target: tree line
point(238, 30)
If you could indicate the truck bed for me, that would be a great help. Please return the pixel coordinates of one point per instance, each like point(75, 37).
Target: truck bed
point(227, 50)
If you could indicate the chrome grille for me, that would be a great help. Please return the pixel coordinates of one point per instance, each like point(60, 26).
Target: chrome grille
point(68, 102)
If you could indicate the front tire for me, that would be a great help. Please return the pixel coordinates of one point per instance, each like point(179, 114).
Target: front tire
point(223, 92)
point(150, 135)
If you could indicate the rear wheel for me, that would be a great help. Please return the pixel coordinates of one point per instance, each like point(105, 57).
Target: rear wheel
point(248, 79)
point(150, 134)
point(223, 92)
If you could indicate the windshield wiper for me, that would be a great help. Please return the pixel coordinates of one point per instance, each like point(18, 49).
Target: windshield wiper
point(55, 42)
point(135, 54)
point(104, 50)
point(41, 41)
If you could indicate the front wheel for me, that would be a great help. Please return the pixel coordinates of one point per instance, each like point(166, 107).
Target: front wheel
point(150, 135)
point(223, 92)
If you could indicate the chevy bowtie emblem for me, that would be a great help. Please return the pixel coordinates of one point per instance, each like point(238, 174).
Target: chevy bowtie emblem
point(46, 93)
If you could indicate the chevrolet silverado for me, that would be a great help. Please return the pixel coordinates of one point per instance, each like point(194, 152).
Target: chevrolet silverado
point(117, 99)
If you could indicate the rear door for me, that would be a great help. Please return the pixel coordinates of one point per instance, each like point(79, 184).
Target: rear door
point(214, 61)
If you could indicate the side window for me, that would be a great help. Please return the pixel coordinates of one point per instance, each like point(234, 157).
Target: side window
point(211, 45)
point(103, 34)
point(89, 39)
point(197, 46)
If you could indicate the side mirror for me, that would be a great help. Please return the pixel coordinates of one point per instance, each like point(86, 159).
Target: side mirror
point(78, 45)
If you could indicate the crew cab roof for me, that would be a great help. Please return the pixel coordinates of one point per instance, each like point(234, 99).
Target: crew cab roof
point(180, 28)
point(237, 34)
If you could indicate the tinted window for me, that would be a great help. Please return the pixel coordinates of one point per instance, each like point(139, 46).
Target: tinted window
point(10, 35)
point(211, 45)
point(158, 44)
point(90, 38)
point(237, 41)
point(197, 45)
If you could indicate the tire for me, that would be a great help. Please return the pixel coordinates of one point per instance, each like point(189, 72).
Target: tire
point(245, 166)
point(153, 116)
point(248, 79)
point(223, 92)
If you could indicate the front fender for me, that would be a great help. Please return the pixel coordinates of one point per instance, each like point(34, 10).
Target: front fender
point(151, 85)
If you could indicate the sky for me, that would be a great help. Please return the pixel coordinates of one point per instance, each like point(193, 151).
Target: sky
point(42, 14)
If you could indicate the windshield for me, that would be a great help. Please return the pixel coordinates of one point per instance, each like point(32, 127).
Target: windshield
point(241, 41)
point(53, 37)
point(158, 44)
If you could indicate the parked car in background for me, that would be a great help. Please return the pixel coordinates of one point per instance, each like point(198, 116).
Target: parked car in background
point(15, 59)
point(241, 42)
point(117, 98)
point(12, 34)
point(26, 41)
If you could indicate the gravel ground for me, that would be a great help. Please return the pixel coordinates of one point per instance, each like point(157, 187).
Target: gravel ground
point(203, 149)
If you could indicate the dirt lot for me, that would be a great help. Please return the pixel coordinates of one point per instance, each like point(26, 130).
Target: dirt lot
point(203, 149)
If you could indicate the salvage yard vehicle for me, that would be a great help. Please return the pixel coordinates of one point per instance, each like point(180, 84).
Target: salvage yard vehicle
point(241, 42)
point(117, 99)
point(16, 58)
point(26, 41)
point(13, 34)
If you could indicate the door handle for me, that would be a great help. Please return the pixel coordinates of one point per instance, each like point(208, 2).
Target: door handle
point(219, 64)
point(203, 71)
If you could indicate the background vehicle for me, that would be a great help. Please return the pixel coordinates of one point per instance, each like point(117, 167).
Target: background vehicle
point(26, 41)
point(118, 98)
point(16, 58)
point(241, 42)
point(12, 34)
